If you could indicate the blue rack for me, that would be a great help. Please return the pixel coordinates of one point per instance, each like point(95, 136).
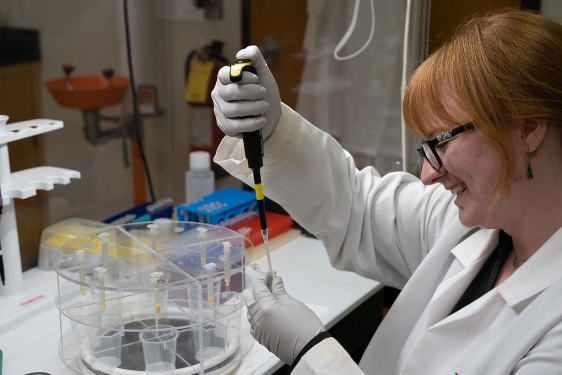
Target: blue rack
point(218, 206)
point(147, 211)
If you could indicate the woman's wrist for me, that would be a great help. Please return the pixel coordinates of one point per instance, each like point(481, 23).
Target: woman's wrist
point(316, 340)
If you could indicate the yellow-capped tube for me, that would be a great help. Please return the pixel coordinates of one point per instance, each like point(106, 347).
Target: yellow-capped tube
point(156, 278)
point(81, 271)
point(203, 244)
point(226, 250)
point(104, 249)
point(101, 283)
point(210, 267)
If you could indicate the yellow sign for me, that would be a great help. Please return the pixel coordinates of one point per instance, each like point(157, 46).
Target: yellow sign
point(197, 87)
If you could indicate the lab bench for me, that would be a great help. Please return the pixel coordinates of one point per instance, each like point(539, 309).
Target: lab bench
point(307, 274)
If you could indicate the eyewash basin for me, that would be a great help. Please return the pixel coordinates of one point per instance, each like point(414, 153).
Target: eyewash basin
point(88, 92)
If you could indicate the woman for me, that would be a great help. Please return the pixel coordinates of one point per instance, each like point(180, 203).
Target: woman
point(475, 245)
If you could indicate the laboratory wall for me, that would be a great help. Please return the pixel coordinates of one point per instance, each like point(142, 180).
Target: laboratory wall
point(84, 34)
point(91, 36)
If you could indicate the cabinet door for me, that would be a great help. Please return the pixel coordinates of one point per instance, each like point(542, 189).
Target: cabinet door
point(446, 15)
point(283, 22)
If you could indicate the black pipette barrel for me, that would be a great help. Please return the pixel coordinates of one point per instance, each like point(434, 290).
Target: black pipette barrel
point(253, 142)
point(253, 148)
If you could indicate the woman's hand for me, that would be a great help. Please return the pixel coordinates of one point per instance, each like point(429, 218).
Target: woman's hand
point(279, 322)
point(250, 104)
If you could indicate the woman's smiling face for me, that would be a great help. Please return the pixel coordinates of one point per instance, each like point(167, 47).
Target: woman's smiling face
point(472, 171)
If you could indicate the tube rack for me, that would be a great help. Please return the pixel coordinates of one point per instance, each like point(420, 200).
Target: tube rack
point(19, 300)
point(153, 275)
point(218, 206)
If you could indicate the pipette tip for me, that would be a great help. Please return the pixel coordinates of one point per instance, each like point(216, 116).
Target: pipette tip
point(266, 243)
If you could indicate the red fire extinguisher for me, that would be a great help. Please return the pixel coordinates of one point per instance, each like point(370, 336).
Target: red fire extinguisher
point(201, 69)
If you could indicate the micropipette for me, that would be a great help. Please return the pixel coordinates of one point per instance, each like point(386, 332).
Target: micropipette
point(253, 149)
point(202, 244)
point(210, 267)
point(101, 282)
point(81, 273)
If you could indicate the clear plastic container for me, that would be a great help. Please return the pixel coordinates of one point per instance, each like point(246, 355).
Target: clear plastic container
point(56, 235)
point(159, 349)
point(153, 278)
point(199, 179)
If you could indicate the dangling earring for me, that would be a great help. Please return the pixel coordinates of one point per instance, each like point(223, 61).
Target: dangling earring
point(529, 169)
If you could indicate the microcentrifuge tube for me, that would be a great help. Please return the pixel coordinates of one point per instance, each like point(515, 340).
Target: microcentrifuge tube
point(222, 258)
point(202, 244)
point(210, 267)
point(269, 275)
point(155, 280)
point(101, 282)
point(226, 249)
point(153, 234)
point(104, 256)
point(81, 273)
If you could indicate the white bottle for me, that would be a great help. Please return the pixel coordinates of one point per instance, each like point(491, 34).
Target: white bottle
point(199, 179)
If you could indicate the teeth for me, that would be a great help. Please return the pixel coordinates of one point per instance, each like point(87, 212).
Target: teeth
point(458, 188)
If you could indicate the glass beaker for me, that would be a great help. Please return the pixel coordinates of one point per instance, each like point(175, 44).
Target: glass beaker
point(207, 302)
point(159, 349)
point(80, 315)
point(220, 329)
point(229, 316)
point(105, 342)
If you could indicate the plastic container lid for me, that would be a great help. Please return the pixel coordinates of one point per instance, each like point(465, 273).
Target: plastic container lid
point(200, 160)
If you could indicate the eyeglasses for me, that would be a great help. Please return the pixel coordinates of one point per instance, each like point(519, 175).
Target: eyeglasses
point(427, 149)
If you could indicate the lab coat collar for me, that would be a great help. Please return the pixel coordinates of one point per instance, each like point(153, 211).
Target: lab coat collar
point(535, 275)
point(540, 271)
point(477, 247)
point(471, 253)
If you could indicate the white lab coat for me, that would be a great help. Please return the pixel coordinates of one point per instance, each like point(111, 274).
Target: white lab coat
point(407, 235)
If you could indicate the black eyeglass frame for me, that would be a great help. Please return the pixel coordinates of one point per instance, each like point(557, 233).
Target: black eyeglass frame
point(431, 143)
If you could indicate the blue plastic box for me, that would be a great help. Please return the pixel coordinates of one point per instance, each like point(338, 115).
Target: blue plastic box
point(146, 211)
point(218, 206)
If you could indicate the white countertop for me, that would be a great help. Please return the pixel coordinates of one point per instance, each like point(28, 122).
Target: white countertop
point(302, 263)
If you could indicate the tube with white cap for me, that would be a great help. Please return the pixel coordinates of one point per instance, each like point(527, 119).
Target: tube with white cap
point(202, 244)
point(210, 267)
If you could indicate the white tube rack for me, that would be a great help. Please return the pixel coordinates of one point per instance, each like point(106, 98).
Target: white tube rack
point(16, 302)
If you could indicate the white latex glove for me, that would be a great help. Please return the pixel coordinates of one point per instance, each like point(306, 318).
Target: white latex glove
point(279, 322)
point(252, 96)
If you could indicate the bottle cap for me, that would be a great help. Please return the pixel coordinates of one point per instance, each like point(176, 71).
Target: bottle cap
point(200, 160)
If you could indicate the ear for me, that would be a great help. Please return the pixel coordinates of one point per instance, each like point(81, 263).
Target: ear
point(534, 132)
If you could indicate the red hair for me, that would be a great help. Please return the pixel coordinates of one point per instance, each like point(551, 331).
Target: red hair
point(502, 69)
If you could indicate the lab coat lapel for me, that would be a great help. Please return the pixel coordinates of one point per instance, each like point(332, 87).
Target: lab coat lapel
point(535, 275)
point(471, 254)
point(538, 283)
point(383, 354)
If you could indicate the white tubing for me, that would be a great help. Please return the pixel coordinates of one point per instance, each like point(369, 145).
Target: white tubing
point(405, 151)
point(350, 31)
